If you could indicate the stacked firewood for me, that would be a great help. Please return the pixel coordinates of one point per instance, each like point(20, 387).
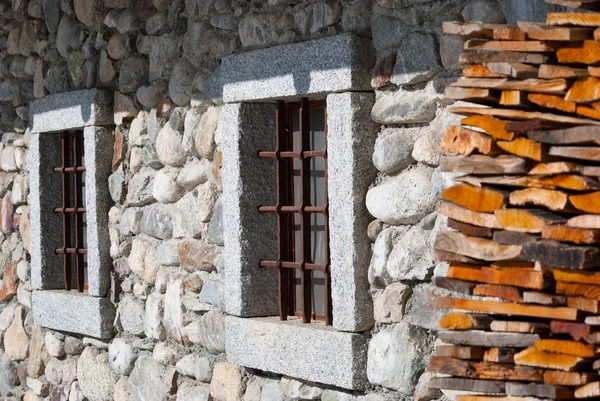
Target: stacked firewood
point(525, 251)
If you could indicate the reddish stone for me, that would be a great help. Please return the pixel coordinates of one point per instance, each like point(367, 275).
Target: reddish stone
point(196, 255)
point(217, 169)
point(118, 149)
point(9, 283)
point(165, 108)
point(6, 214)
point(384, 68)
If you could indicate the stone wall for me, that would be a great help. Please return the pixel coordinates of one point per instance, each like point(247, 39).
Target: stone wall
point(161, 60)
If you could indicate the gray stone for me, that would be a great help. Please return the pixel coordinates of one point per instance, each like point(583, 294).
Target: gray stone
point(252, 342)
point(423, 392)
point(122, 390)
point(151, 95)
point(51, 15)
point(71, 110)
point(16, 340)
point(333, 395)
point(208, 331)
point(389, 305)
point(70, 36)
point(207, 197)
point(419, 311)
point(54, 371)
point(118, 46)
point(486, 11)
point(129, 222)
point(186, 222)
point(54, 345)
point(180, 84)
point(272, 391)
point(169, 146)
point(198, 367)
point(20, 190)
point(397, 357)
point(295, 389)
point(389, 32)
point(6, 316)
point(39, 387)
point(168, 253)
point(142, 259)
point(515, 10)
point(346, 67)
point(133, 74)
point(138, 130)
point(60, 311)
point(226, 21)
point(194, 173)
point(147, 379)
point(165, 189)
point(424, 151)
point(416, 60)
point(356, 16)
point(411, 258)
point(73, 346)
point(226, 383)
point(153, 317)
point(156, 23)
point(189, 392)
point(258, 30)
point(404, 199)
point(157, 222)
point(212, 292)
point(204, 137)
point(173, 319)
point(7, 375)
point(131, 315)
point(215, 227)
point(95, 377)
point(140, 188)
point(393, 149)
point(166, 354)
point(116, 185)
point(163, 56)
point(451, 47)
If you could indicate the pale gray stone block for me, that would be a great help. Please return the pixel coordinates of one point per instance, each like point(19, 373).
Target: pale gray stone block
point(249, 236)
point(333, 64)
point(70, 110)
point(74, 312)
point(309, 352)
point(351, 136)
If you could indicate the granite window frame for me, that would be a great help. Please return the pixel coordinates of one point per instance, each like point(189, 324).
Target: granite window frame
point(336, 69)
point(89, 313)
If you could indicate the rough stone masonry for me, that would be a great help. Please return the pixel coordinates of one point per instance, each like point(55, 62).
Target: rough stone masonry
point(159, 61)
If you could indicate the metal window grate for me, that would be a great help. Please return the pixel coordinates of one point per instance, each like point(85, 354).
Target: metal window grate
point(295, 246)
point(73, 211)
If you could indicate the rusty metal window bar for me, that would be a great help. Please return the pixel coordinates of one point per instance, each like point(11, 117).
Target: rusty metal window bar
point(303, 262)
point(73, 211)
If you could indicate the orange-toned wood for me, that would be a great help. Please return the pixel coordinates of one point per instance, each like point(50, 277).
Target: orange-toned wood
point(515, 70)
point(569, 378)
point(588, 112)
point(465, 321)
point(480, 164)
point(477, 248)
point(498, 291)
point(589, 203)
point(557, 86)
point(590, 390)
point(505, 308)
point(503, 57)
point(493, 126)
point(551, 71)
point(470, 230)
point(549, 360)
point(571, 234)
point(525, 148)
point(527, 46)
point(509, 32)
point(588, 53)
point(567, 347)
point(552, 102)
point(464, 215)
point(565, 181)
point(525, 277)
point(474, 95)
point(590, 291)
point(527, 220)
point(483, 370)
point(483, 200)
point(549, 198)
point(465, 141)
point(500, 355)
point(539, 31)
point(522, 115)
point(513, 98)
point(577, 19)
point(470, 353)
point(584, 90)
point(480, 71)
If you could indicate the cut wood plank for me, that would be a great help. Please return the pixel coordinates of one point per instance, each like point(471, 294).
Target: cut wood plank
point(513, 98)
point(584, 4)
point(482, 71)
point(577, 19)
point(549, 360)
point(589, 203)
point(584, 90)
point(500, 355)
point(594, 71)
point(540, 298)
point(465, 141)
point(492, 126)
point(517, 277)
point(510, 326)
point(593, 338)
point(590, 390)
point(468, 353)
point(454, 257)
point(509, 32)
point(551, 71)
point(584, 304)
point(549, 198)
point(570, 234)
point(470, 29)
point(539, 390)
point(566, 181)
point(479, 397)
point(498, 291)
point(576, 330)
point(483, 370)
point(562, 255)
point(556, 86)
point(590, 291)
point(568, 136)
point(582, 53)
point(513, 238)
point(564, 167)
point(591, 221)
point(522, 115)
point(484, 200)
point(504, 57)
point(566, 347)
point(477, 248)
point(576, 152)
point(575, 276)
point(503, 308)
point(524, 125)
point(588, 112)
point(593, 320)
point(526, 46)
point(470, 230)
point(488, 339)
point(480, 164)
point(527, 148)
point(463, 287)
point(474, 95)
point(458, 321)
point(479, 386)
point(552, 102)
point(515, 70)
point(539, 31)
point(527, 220)
point(569, 378)
point(464, 215)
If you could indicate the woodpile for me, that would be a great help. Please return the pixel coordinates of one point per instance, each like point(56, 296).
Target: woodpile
point(524, 253)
